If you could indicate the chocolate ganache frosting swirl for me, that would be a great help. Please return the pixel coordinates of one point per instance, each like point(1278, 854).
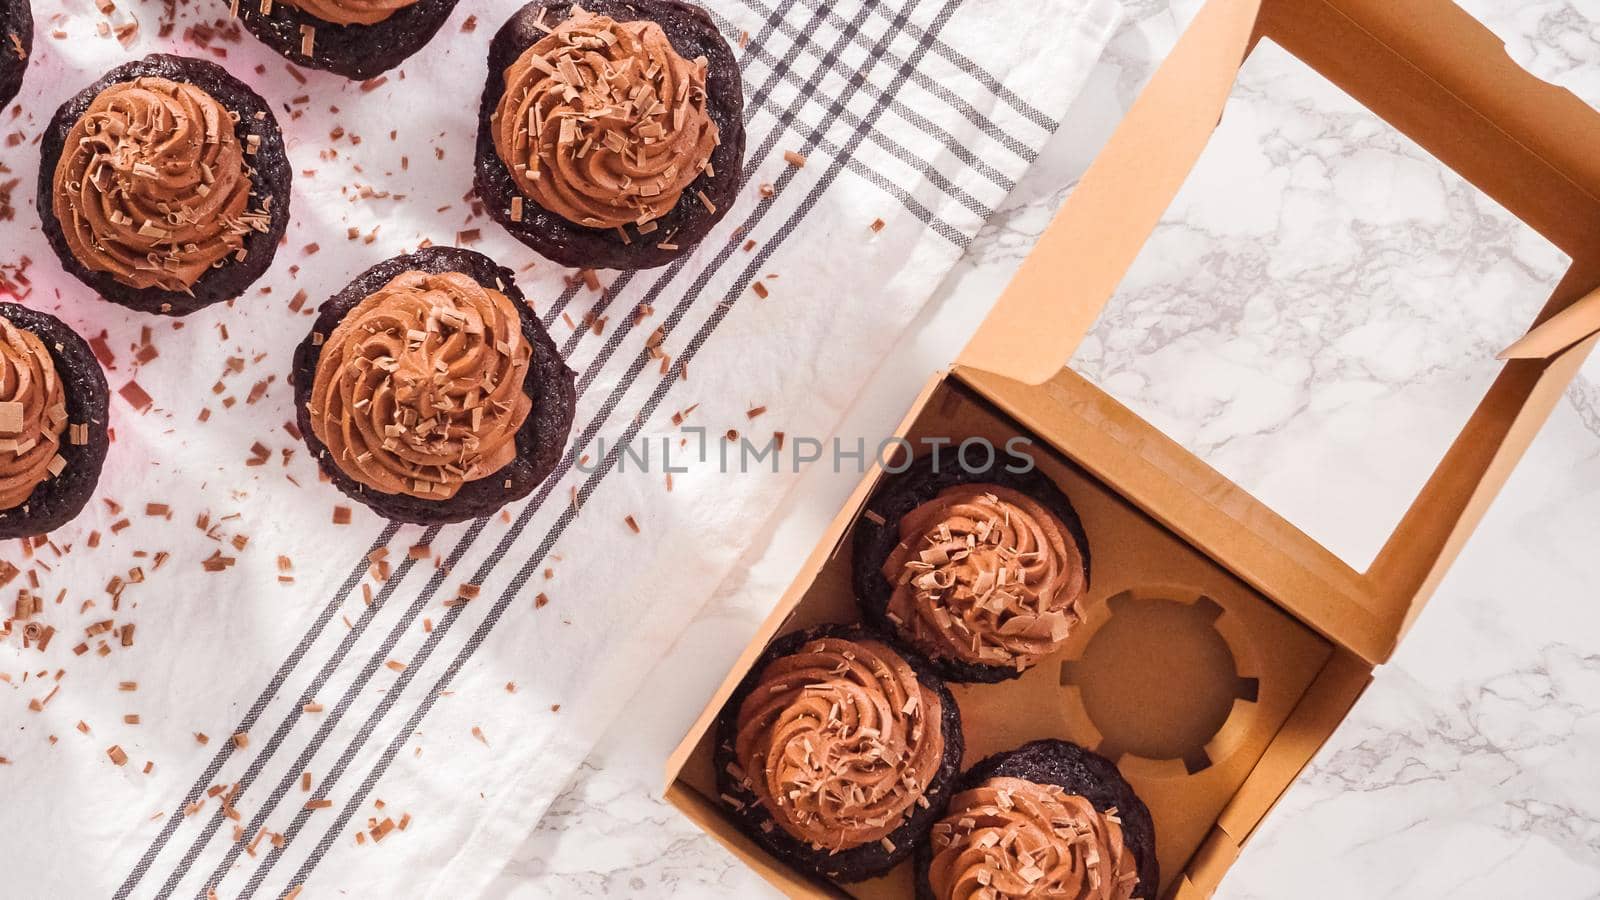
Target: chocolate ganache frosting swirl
point(603, 123)
point(420, 387)
point(985, 574)
point(839, 740)
point(152, 185)
point(33, 413)
point(350, 12)
point(1009, 837)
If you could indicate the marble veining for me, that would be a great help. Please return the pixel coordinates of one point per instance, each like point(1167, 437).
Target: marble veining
point(1317, 270)
point(1467, 770)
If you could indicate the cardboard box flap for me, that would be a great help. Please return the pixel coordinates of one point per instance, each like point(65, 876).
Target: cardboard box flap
point(1061, 287)
point(1442, 78)
point(1434, 529)
point(1559, 332)
point(1524, 142)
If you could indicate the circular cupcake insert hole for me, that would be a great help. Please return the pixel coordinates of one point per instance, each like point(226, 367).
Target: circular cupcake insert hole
point(1157, 678)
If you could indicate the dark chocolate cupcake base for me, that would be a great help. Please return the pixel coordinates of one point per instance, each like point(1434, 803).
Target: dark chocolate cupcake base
point(549, 384)
point(16, 46)
point(271, 180)
point(355, 51)
point(856, 863)
point(1076, 771)
point(877, 533)
point(692, 34)
point(58, 499)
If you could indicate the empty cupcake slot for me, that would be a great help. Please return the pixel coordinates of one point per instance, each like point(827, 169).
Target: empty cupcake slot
point(1167, 658)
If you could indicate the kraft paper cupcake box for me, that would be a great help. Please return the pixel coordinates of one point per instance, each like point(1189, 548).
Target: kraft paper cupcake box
point(1221, 646)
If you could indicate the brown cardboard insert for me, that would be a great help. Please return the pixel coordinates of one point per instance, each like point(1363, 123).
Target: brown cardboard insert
point(1180, 673)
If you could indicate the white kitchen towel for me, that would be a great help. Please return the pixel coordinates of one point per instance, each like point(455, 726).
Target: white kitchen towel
point(295, 706)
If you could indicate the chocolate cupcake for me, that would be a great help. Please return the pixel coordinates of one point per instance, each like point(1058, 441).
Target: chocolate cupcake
point(53, 418)
point(16, 46)
point(354, 38)
point(429, 391)
point(1048, 819)
point(981, 570)
point(838, 751)
point(164, 185)
point(611, 134)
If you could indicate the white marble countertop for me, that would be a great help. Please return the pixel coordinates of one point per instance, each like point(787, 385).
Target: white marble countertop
point(1468, 769)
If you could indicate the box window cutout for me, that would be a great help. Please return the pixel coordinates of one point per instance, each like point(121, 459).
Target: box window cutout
point(1186, 682)
point(1318, 312)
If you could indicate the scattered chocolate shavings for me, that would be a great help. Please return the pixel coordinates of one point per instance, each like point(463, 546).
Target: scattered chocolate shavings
point(766, 189)
point(794, 159)
point(754, 411)
point(323, 803)
point(341, 515)
point(760, 289)
point(877, 225)
point(632, 524)
point(381, 830)
point(136, 396)
point(241, 740)
point(478, 733)
point(11, 417)
point(117, 755)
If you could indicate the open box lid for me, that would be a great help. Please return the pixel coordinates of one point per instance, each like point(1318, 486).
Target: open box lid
point(1438, 76)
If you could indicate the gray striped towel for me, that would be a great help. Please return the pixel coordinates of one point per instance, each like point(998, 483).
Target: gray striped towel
point(314, 707)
